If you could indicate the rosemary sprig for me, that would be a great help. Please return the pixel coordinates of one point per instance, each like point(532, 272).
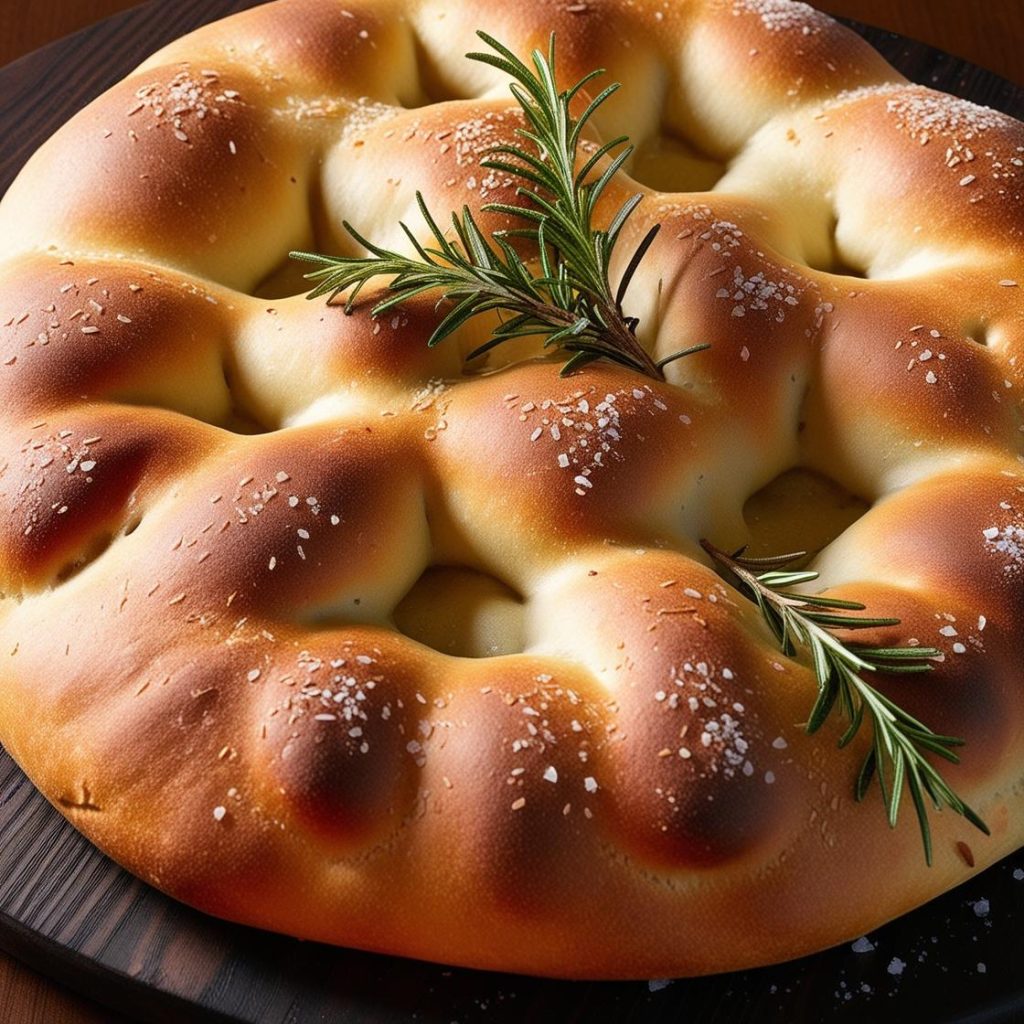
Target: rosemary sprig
point(570, 302)
point(899, 741)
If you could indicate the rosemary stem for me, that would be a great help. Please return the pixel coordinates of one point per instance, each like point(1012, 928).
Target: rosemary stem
point(900, 742)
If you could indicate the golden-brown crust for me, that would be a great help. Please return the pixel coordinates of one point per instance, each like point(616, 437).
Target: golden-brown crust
point(217, 494)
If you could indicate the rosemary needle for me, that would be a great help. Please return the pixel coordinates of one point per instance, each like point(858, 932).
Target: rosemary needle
point(570, 302)
point(899, 741)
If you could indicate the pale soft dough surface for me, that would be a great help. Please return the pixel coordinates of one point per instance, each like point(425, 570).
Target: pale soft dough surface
point(219, 497)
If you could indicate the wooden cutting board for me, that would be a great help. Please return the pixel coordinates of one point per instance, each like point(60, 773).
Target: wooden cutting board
point(68, 911)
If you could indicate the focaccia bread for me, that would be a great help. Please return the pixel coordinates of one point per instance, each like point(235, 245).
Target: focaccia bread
point(321, 630)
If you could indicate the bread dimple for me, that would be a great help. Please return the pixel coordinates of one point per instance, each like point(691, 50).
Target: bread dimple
point(328, 55)
point(710, 279)
point(697, 782)
point(220, 493)
point(941, 378)
point(930, 535)
point(100, 329)
point(970, 155)
point(173, 166)
point(974, 683)
point(595, 35)
point(295, 526)
point(788, 55)
point(75, 482)
point(349, 365)
point(536, 441)
point(702, 710)
point(337, 736)
point(436, 151)
point(514, 762)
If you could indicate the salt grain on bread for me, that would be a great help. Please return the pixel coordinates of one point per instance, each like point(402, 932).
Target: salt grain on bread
point(218, 500)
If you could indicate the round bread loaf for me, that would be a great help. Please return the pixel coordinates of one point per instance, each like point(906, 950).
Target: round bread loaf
point(324, 631)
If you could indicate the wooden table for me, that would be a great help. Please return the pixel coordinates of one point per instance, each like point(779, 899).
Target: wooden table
point(990, 34)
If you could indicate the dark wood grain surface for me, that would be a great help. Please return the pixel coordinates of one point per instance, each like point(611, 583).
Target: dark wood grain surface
point(73, 915)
